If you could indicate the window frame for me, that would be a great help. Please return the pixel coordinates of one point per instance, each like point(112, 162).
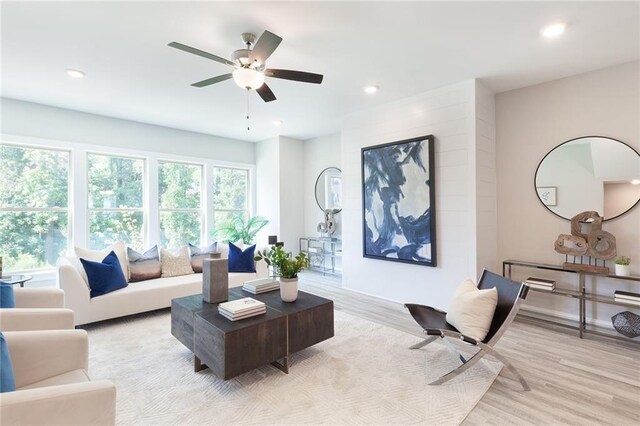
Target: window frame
point(68, 209)
point(144, 209)
point(202, 209)
point(248, 202)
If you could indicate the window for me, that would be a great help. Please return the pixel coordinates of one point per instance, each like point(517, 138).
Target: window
point(180, 194)
point(116, 200)
point(230, 194)
point(34, 206)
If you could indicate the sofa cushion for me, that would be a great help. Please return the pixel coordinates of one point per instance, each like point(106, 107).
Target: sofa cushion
point(7, 380)
point(472, 310)
point(198, 254)
point(106, 276)
point(70, 377)
point(144, 266)
point(175, 263)
point(241, 261)
point(7, 298)
point(118, 247)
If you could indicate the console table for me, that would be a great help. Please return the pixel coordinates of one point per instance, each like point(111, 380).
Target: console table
point(322, 253)
point(581, 294)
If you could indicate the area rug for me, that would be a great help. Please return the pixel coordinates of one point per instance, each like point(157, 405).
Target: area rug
point(364, 375)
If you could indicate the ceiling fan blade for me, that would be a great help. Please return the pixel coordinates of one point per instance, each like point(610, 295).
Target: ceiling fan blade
point(305, 77)
point(264, 47)
point(265, 93)
point(213, 80)
point(199, 52)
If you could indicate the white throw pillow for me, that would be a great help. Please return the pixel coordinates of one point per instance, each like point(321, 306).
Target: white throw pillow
point(118, 247)
point(175, 263)
point(472, 310)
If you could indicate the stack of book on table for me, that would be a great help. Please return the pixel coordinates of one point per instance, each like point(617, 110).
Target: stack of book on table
point(627, 297)
point(540, 284)
point(261, 285)
point(242, 308)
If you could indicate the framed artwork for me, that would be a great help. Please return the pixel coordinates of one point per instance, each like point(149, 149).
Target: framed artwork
point(547, 195)
point(398, 201)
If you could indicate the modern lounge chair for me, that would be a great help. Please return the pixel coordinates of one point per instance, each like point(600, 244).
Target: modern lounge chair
point(510, 296)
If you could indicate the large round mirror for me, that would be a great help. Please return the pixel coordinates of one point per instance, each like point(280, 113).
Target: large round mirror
point(590, 173)
point(329, 189)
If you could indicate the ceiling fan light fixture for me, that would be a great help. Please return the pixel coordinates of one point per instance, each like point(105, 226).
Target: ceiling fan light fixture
point(370, 89)
point(248, 78)
point(73, 73)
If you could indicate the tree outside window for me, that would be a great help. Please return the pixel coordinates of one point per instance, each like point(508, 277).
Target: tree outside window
point(116, 200)
point(34, 206)
point(180, 198)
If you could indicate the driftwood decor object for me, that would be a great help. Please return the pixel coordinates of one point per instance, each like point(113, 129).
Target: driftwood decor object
point(591, 219)
point(597, 244)
point(570, 245)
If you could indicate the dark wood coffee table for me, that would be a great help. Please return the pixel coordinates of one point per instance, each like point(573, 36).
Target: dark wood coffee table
point(230, 348)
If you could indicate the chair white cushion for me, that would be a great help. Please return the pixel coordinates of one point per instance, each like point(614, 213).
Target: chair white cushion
point(74, 376)
point(472, 310)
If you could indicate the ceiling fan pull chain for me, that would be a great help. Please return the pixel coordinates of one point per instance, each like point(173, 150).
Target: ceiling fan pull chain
point(248, 127)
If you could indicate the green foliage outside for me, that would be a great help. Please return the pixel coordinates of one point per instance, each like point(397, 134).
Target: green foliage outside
point(180, 189)
point(116, 194)
point(282, 263)
point(36, 182)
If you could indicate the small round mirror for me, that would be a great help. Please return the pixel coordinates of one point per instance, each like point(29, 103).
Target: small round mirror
point(590, 173)
point(329, 189)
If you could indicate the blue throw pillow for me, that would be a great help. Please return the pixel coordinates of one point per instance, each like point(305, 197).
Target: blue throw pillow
point(106, 276)
point(7, 300)
point(241, 261)
point(7, 381)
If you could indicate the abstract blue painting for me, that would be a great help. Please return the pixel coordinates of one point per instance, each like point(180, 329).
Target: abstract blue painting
point(398, 201)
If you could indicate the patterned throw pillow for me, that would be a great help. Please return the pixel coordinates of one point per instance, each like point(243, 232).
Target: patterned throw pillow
point(175, 263)
point(144, 266)
point(198, 254)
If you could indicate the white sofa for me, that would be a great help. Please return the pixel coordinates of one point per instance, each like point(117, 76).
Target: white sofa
point(137, 297)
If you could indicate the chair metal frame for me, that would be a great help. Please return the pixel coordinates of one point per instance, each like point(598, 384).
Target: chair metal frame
point(486, 348)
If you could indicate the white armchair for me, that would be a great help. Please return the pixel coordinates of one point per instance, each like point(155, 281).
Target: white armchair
point(52, 385)
point(37, 309)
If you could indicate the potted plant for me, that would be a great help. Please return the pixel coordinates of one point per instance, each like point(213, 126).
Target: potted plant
point(237, 229)
point(622, 266)
point(286, 267)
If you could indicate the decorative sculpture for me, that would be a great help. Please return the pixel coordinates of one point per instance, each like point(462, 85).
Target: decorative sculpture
point(596, 243)
point(329, 225)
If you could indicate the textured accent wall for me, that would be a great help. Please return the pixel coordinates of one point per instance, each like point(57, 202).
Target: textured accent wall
point(465, 205)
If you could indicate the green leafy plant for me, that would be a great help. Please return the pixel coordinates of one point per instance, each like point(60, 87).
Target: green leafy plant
point(623, 260)
point(238, 229)
point(282, 263)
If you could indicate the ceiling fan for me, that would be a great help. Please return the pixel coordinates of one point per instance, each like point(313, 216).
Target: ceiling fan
point(250, 65)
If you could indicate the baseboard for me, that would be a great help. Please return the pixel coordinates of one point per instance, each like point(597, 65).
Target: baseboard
point(550, 314)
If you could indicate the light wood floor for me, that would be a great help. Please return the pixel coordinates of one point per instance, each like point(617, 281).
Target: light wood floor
point(573, 381)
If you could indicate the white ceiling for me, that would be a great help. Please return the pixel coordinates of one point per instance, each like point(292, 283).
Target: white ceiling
point(405, 48)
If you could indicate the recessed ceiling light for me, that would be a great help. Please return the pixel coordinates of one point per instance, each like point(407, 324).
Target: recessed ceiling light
point(370, 89)
point(553, 30)
point(75, 73)
point(635, 182)
point(277, 122)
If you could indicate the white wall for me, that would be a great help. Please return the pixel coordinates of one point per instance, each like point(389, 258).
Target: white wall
point(41, 121)
point(279, 189)
point(530, 122)
point(456, 115)
point(319, 153)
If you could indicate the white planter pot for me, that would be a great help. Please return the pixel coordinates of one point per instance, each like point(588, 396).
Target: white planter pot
point(288, 289)
point(622, 270)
